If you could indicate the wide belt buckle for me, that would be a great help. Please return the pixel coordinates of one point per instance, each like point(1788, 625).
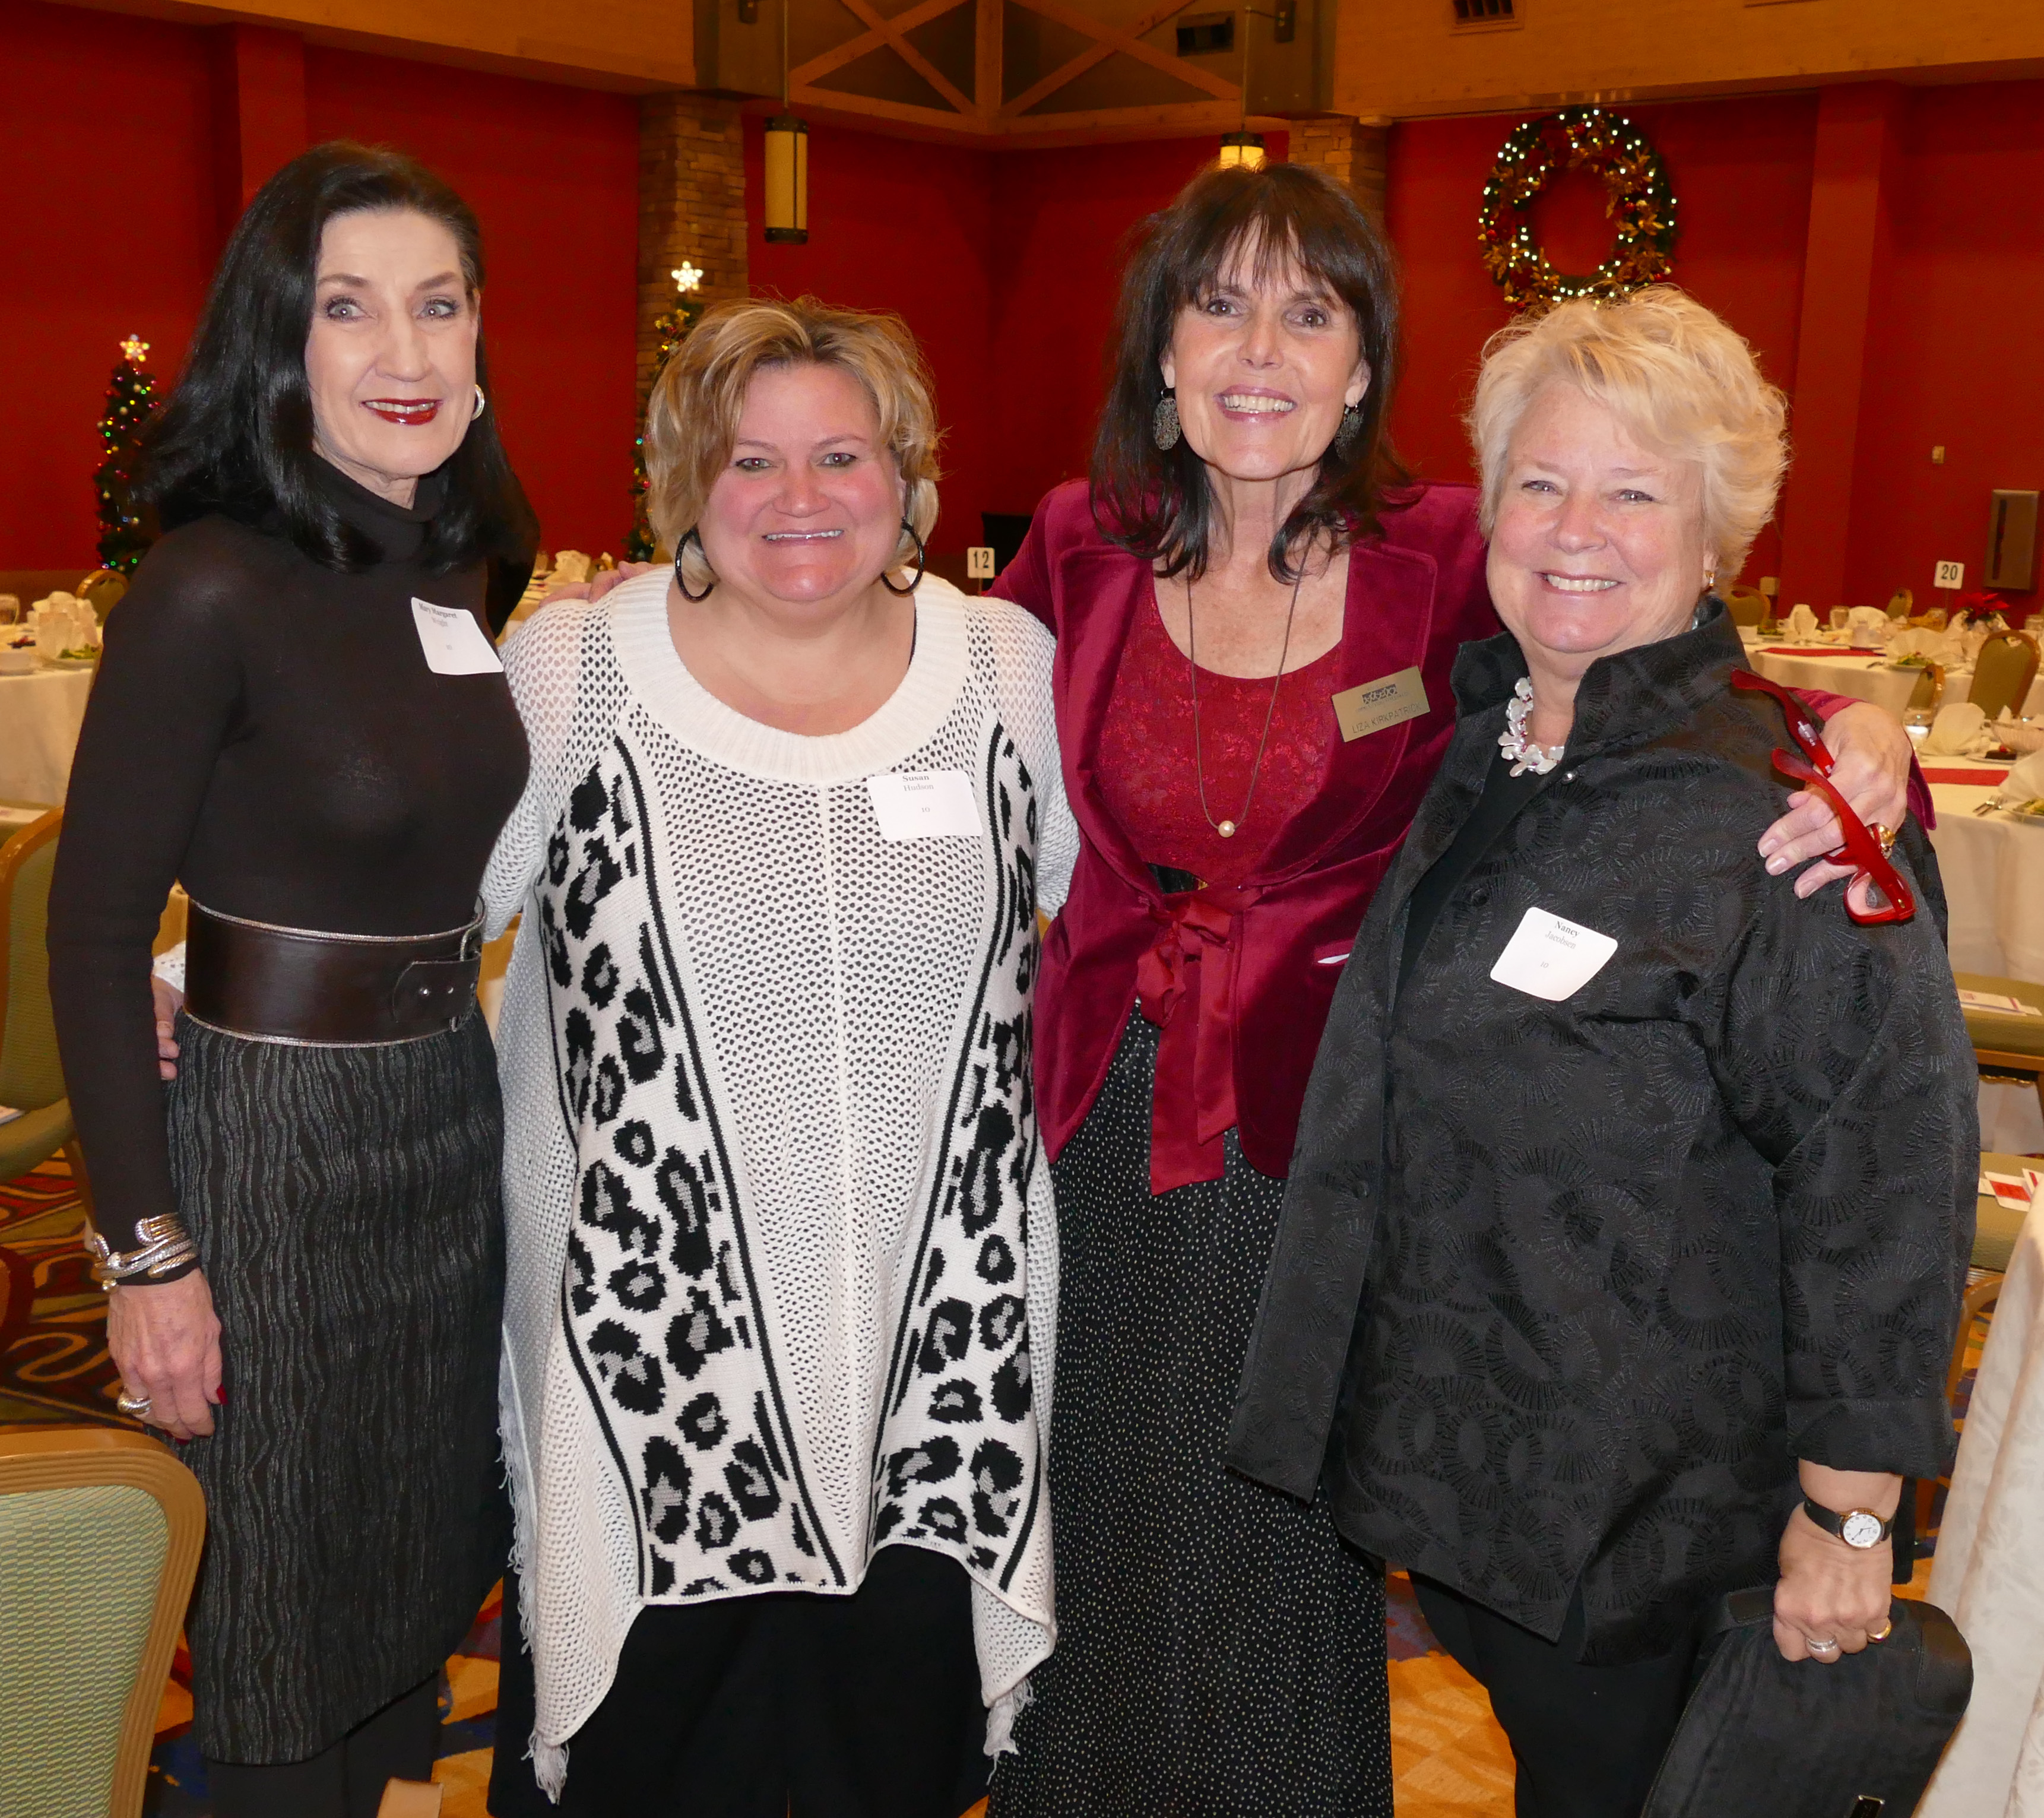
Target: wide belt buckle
point(435, 990)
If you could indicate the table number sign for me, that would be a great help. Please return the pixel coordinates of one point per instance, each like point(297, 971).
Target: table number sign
point(979, 564)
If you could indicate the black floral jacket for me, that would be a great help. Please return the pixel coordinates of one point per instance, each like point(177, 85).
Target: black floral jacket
point(1562, 1290)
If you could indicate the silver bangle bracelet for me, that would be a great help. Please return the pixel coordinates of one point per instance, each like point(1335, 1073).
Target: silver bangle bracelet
point(166, 1245)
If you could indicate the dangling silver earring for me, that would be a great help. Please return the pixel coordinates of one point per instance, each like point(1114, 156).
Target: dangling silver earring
point(1350, 427)
point(480, 401)
point(1164, 427)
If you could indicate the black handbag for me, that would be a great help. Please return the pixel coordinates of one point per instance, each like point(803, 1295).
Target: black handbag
point(1762, 1737)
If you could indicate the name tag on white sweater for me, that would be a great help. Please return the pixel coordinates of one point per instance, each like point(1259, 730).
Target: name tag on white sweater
point(453, 641)
point(1550, 958)
point(924, 805)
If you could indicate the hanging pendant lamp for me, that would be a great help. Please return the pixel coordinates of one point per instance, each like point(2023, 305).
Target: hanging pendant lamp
point(1243, 149)
point(787, 197)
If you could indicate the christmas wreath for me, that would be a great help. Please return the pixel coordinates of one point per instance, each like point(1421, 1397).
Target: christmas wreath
point(1641, 206)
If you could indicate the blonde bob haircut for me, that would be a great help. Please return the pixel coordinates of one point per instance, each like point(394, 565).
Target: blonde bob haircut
point(1676, 376)
point(692, 418)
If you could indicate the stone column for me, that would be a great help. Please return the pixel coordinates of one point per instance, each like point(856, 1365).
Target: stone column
point(691, 205)
point(1349, 149)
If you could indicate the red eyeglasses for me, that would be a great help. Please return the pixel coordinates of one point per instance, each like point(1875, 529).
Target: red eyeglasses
point(1813, 769)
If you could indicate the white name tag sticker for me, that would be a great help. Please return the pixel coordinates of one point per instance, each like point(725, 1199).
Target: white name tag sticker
point(453, 642)
point(924, 805)
point(1550, 958)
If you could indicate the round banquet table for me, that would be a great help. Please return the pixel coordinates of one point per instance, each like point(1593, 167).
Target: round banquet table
point(1864, 677)
point(40, 716)
point(1993, 868)
point(1988, 1575)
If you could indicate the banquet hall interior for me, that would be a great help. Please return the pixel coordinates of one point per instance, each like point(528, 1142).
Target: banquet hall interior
point(1855, 186)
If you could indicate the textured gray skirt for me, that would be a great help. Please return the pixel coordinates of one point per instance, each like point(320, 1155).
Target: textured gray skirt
point(346, 1206)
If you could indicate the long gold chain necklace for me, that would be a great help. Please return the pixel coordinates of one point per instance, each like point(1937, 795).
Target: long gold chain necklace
point(1227, 828)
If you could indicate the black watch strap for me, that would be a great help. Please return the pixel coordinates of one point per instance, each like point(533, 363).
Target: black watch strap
point(1834, 1524)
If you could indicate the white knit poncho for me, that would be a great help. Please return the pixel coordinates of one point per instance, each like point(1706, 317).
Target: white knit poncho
point(782, 1255)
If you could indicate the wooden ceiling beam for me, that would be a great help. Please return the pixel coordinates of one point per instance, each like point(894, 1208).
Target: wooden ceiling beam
point(1108, 39)
point(853, 48)
point(861, 10)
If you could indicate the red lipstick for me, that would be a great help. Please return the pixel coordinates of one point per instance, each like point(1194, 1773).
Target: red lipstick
point(409, 411)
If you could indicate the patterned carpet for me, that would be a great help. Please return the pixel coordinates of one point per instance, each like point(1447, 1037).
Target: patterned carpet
point(1449, 1757)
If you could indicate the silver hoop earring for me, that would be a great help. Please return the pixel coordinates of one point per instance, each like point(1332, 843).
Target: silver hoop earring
point(1165, 430)
point(480, 401)
point(922, 562)
point(1350, 427)
point(689, 536)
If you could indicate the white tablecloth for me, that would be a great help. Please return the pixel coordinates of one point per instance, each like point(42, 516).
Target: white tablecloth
point(1870, 679)
point(1989, 1571)
point(1993, 869)
point(39, 716)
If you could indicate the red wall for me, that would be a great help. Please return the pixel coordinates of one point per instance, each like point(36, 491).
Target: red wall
point(113, 226)
point(110, 230)
point(1740, 170)
point(1955, 347)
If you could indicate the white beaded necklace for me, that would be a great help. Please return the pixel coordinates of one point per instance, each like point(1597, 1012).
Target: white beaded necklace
point(1524, 755)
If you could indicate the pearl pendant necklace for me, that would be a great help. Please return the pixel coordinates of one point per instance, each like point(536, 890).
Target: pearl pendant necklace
point(1524, 754)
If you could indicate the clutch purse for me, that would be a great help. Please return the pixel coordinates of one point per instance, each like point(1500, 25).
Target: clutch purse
point(1769, 1738)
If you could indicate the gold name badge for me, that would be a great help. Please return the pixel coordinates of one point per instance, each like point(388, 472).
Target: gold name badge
point(1389, 701)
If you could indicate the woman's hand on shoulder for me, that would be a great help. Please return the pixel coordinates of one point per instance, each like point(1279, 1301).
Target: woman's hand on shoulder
point(165, 1341)
point(1874, 754)
point(598, 585)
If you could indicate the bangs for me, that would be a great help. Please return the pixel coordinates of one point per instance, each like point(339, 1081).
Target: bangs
point(1264, 236)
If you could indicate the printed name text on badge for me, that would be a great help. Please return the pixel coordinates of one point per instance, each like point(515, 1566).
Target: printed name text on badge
point(1389, 701)
point(1550, 958)
point(453, 641)
point(923, 804)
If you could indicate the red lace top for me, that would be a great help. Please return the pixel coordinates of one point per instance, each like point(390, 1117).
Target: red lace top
point(1146, 763)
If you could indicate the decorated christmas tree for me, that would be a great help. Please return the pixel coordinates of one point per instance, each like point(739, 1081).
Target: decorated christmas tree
point(130, 399)
point(673, 326)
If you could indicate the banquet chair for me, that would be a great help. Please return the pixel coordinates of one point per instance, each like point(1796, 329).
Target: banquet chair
point(102, 591)
point(1901, 603)
point(100, 1533)
point(2003, 672)
point(1929, 690)
point(1748, 604)
point(31, 1077)
point(2006, 1046)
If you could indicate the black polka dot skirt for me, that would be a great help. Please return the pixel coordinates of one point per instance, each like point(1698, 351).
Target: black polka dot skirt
point(1219, 1649)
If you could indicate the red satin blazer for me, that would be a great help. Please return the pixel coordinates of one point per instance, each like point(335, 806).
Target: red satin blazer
point(1270, 951)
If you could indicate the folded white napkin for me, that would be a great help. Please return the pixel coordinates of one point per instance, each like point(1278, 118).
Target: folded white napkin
point(2022, 736)
point(1956, 731)
point(570, 567)
point(2024, 783)
point(1802, 622)
point(1907, 640)
point(1867, 627)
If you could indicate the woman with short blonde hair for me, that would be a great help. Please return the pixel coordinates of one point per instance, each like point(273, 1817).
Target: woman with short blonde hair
point(781, 1250)
point(1621, 1259)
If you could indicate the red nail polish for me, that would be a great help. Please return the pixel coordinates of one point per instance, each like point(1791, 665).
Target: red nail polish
point(220, 1395)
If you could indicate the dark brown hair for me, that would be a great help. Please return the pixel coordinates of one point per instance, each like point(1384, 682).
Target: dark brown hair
point(1156, 505)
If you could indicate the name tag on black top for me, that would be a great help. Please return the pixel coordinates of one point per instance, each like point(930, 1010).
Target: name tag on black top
point(453, 641)
point(1389, 701)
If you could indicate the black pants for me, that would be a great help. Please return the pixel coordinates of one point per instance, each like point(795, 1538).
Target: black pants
point(788, 1702)
point(346, 1780)
point(1588, 1739)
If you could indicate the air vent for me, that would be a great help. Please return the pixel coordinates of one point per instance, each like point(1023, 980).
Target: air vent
point(1485, 13)
point(1203, 36)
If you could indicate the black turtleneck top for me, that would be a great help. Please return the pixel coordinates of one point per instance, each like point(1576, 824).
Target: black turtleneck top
point(268, 733)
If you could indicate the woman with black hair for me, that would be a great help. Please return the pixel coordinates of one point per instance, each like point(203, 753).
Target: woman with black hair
point(300, 717)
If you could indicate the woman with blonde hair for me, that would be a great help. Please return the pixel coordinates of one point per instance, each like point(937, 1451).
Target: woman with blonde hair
point(781, 1256)
point(1620, 1260)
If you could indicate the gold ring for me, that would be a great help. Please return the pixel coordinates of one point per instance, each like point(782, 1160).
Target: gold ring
point(1886, 1629)
point(1885, 834)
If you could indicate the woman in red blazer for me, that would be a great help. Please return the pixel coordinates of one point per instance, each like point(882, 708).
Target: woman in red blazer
point(1256, 616)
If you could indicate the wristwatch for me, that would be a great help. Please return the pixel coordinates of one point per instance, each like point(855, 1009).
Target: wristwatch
point(1859, 1527)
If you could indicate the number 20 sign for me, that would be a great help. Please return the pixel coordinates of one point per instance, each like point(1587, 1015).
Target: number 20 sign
point(1950, 574)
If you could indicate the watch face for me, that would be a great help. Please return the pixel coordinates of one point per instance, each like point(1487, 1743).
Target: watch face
point(1860, 1529)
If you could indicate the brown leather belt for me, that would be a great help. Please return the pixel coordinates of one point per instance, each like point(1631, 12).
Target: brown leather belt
point(327, 990)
